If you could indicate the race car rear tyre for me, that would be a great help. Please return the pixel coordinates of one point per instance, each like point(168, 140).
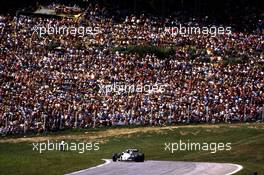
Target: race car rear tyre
point(142, 158)
point(139, 158)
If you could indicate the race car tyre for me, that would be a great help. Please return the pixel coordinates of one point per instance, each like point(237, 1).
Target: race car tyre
point(114, 157)
point(140, 157)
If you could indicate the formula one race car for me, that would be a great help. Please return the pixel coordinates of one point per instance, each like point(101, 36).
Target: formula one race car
point(129, 155)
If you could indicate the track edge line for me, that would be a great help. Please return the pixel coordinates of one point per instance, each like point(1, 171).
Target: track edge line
point(107, 161)
point(239, 168)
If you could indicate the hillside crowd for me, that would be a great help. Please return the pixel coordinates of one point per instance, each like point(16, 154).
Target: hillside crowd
point(53, 82)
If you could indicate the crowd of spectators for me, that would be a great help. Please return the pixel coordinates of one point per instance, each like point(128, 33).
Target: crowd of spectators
point(53, 82)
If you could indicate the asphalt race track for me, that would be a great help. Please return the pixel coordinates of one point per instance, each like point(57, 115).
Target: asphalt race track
point(151, 167)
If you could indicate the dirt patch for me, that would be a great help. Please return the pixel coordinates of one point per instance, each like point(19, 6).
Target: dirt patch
point(208, 130)
point(195, 133)
point(103, 135)
point(183, 133)
point(100, 135)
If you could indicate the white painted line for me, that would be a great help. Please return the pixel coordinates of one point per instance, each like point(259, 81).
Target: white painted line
point(107, 161)
point(239, 167)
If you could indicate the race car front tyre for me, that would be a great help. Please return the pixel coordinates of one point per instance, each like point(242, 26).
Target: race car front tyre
point(114, 157)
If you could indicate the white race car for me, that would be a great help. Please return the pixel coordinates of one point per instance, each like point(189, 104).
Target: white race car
point(129, 155)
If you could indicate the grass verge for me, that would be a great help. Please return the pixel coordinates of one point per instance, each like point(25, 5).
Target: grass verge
point(247, 142)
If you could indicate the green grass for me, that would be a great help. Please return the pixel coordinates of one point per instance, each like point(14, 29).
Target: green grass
point(247, 150)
